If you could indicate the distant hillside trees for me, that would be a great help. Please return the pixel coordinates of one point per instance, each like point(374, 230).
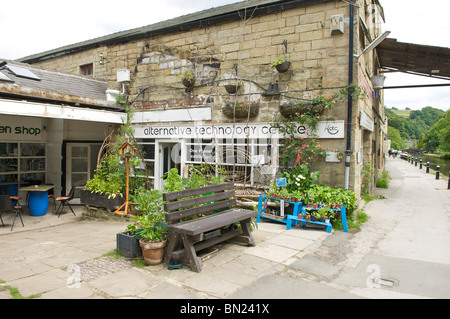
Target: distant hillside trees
point(397, 142)
point(428, 127)
point(438, 136)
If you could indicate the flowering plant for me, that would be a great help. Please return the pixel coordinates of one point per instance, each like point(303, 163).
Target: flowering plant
point(327, 102)
point(300, 179)
point(339, 155)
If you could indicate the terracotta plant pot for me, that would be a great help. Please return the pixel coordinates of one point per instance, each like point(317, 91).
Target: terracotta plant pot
point(153, 252)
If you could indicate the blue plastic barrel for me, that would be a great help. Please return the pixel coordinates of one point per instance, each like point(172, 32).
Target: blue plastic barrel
point(38, 203)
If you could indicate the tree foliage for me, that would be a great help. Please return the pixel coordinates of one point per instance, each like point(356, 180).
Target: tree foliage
point(420, 126)
point(439, 133)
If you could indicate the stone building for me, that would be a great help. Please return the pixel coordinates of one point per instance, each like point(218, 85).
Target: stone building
point(327, 43)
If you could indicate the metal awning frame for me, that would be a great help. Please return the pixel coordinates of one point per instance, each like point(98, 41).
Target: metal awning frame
point(414, 59)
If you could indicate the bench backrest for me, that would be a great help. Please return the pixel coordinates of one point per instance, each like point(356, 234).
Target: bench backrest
point(210, 199)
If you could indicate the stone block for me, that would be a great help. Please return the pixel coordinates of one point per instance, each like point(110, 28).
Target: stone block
point(312, 17)
point(311, 35)
point(260, 27)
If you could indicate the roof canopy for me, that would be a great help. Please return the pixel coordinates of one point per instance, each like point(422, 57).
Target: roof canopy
point(415, 59)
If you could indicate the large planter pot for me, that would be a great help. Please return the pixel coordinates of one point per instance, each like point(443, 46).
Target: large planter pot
point(128, 245)
point(293, 109)
point(153, 252)
point(241, 110)
point(101, 200)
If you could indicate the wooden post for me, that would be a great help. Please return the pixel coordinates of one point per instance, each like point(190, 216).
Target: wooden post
point(127, 203)
point(428, 167)
point(127, 151)
point(420, 163)
point(437, 172)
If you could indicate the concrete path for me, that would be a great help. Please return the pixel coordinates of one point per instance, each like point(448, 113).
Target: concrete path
point(405, 244)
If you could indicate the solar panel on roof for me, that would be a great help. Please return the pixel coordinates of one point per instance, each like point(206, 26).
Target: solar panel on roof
point(22, 72)
point(3, 77)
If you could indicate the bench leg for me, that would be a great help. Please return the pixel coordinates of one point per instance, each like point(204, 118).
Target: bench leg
point(247, 233)
point(194, 262)
point(173, 241)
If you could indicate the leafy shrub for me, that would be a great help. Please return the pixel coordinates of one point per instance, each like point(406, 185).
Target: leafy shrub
point(383, 182)
point(108, 178)
point(327, 194)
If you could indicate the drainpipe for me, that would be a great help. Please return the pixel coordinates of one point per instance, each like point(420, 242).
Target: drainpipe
point(348, 152)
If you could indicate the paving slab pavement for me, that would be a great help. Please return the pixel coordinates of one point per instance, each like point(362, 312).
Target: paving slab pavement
point(42, 258)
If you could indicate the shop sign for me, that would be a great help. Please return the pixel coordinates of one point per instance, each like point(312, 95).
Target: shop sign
point(24, 130)
point(325, 130)
point(365, 121)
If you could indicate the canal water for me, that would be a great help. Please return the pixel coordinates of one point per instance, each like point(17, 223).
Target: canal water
point(444, 164)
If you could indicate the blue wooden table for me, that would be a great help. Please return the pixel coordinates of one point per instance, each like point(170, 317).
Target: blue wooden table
point(293, 220)
point(262, 209)
point(298, 215)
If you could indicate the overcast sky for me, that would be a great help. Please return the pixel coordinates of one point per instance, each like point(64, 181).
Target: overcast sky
point(31, 26)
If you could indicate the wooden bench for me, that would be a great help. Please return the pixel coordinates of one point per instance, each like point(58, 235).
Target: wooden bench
point(215, 204)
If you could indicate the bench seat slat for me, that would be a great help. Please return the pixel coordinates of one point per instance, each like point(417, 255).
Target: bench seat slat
point(169, 207)
point(197, 191)
point(211, 222)
point(200, 210)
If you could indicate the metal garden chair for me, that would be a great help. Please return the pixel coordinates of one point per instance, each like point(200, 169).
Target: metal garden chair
point(6, 205)
point(64, 201)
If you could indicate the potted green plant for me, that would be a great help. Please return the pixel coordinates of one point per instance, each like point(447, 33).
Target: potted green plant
point(282, 64)
point(153, 238)
point(150, 226)
point(105, 189)
point(307, 217)
point(187, 78)
point(321, 213)
point(330, 215)
point(284, 194)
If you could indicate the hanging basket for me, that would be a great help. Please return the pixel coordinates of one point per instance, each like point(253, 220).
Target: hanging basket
point(232, 88)
point(188, 82)
point(292, 109)
point(241, 110)
point(283, 67)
